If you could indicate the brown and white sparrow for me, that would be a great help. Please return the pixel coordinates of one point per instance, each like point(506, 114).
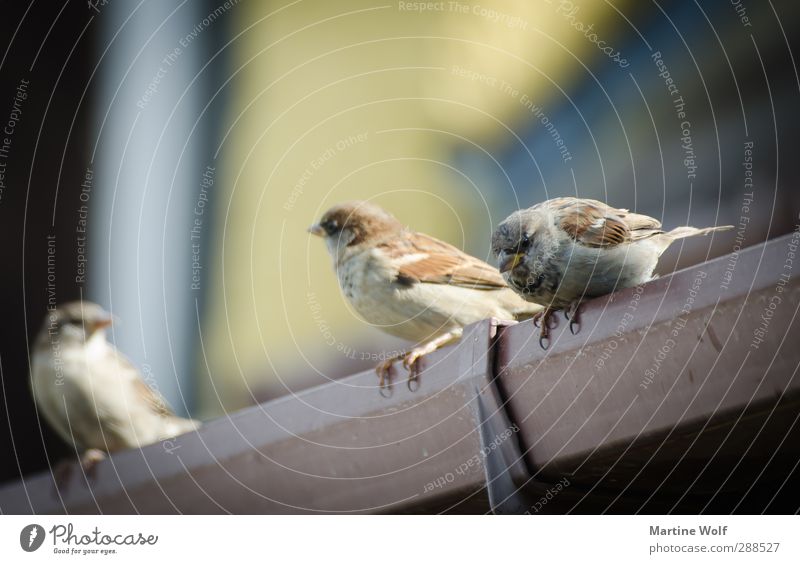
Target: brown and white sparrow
point(89, 392)
point(566, 249)
point(409, 284)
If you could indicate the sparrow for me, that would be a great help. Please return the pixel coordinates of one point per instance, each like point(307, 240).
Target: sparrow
point(412, 285)
point(92, 395)
point(564, 250)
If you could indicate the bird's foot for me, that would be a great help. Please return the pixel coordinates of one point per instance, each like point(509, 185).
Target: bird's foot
point(384, 372)
point(89, 461)
point(571, 313)
point(542, 321)
point(62, 472)
point(412, 366)
point(496, 322)
point(411, 360)
point(544, 318)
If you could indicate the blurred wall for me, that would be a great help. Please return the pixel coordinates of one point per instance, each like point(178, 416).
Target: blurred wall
point(154, 118)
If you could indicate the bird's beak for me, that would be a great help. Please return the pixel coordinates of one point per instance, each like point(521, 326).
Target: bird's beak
point(317, 230)
point(102, 323)
point(510, 262)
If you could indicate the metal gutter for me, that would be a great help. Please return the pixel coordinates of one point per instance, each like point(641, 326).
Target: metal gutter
point(663, 401)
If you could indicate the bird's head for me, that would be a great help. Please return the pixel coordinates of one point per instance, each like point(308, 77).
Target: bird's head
point(77, 321)
point(350, 225)
point(520, 238)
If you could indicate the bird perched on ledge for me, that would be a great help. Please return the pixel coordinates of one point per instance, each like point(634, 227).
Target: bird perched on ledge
point(566, 249)
point(91, 394)
point(409, 284)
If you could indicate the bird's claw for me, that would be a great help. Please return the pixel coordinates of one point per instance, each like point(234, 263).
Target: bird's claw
point(544, 330)
point(411, 364)
point(63, 471)
point(543, 321)
point(383, 370)
point(542, 318)
point(571, 313)
point(89, 461)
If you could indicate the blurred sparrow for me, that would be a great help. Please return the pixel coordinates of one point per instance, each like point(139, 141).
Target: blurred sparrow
point(409, 284)
point(567, 249)
point(91, 394)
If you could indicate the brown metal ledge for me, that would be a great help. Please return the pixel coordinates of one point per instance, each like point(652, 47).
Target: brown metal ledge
point(677, 396)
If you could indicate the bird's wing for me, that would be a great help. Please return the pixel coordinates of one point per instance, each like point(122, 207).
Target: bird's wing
point(595, 224)
point(149, 397)
point(153, 399)
point(428, 260)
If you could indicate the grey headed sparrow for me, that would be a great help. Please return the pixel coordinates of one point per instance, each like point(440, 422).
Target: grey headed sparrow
point(90, 393)
point(409, 284)
point(567, 249)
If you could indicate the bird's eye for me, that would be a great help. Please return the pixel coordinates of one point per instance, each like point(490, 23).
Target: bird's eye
point(524, 243)
point(331, 226)
point(65, 322)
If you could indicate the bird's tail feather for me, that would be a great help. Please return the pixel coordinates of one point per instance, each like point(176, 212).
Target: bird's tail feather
point(179, 426)
point(686, 231)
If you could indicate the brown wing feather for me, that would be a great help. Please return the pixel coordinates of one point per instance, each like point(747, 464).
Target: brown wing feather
point(441, 263)
point(128, 372)
point(595, 224)
point(154, 400)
